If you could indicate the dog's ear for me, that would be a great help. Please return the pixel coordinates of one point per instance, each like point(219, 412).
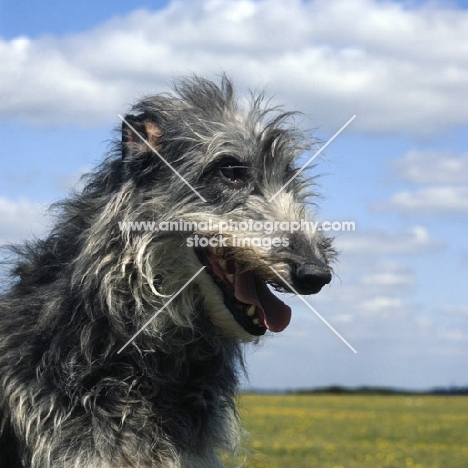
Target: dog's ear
point(139, 135)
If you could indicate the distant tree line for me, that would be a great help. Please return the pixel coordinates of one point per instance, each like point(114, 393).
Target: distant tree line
point(364, 390)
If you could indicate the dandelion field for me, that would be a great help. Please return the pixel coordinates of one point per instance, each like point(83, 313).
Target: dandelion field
point(353, 431)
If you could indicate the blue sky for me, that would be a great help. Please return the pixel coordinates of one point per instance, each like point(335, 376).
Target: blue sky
point(400, 170)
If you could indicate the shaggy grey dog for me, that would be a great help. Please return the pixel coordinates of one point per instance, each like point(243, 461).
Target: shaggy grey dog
point(77, 387)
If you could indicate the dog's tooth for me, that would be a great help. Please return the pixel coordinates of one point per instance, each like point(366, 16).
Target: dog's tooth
point(256, 321)
point(222, 263)
point(230, 277)
point(251, 311)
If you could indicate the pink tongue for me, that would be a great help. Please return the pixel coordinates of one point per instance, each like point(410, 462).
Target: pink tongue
point(248, 289)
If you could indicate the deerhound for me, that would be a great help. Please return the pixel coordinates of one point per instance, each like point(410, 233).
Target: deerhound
point(121, 337)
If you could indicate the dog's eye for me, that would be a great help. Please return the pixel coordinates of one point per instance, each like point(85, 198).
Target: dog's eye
point(236, 175)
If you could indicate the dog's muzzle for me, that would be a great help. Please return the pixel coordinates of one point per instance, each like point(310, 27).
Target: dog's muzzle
point(246, 293)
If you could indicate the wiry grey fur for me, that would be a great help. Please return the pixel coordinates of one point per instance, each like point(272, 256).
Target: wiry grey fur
point(68, 399)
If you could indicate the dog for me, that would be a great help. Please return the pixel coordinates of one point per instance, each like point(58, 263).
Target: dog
point(121, 337)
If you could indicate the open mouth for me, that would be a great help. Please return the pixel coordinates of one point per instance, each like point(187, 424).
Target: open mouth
point(247, 296)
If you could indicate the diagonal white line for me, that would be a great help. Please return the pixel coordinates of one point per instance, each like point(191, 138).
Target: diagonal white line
point(162, 159)
point(315, 312)
point(160, 310)
point(312, 158)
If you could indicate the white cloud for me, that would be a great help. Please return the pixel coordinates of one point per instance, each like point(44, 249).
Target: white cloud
point(21, 220)
point(390, 278)
point(443, 184)
point(411, 241)
point(455, 311)
point(429, 201)
point(456, 335)
point(380, 304)
point(399, 70)
point(383, 289)
point(421, 167)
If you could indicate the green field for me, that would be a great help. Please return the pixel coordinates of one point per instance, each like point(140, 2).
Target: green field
point(348, 431)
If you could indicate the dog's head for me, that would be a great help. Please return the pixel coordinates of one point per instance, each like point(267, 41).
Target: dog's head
point(230, 173)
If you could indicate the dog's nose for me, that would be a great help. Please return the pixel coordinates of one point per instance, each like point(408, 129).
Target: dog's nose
point(309, 278)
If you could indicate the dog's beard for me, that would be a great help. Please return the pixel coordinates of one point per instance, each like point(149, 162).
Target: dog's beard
point(246, 296)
